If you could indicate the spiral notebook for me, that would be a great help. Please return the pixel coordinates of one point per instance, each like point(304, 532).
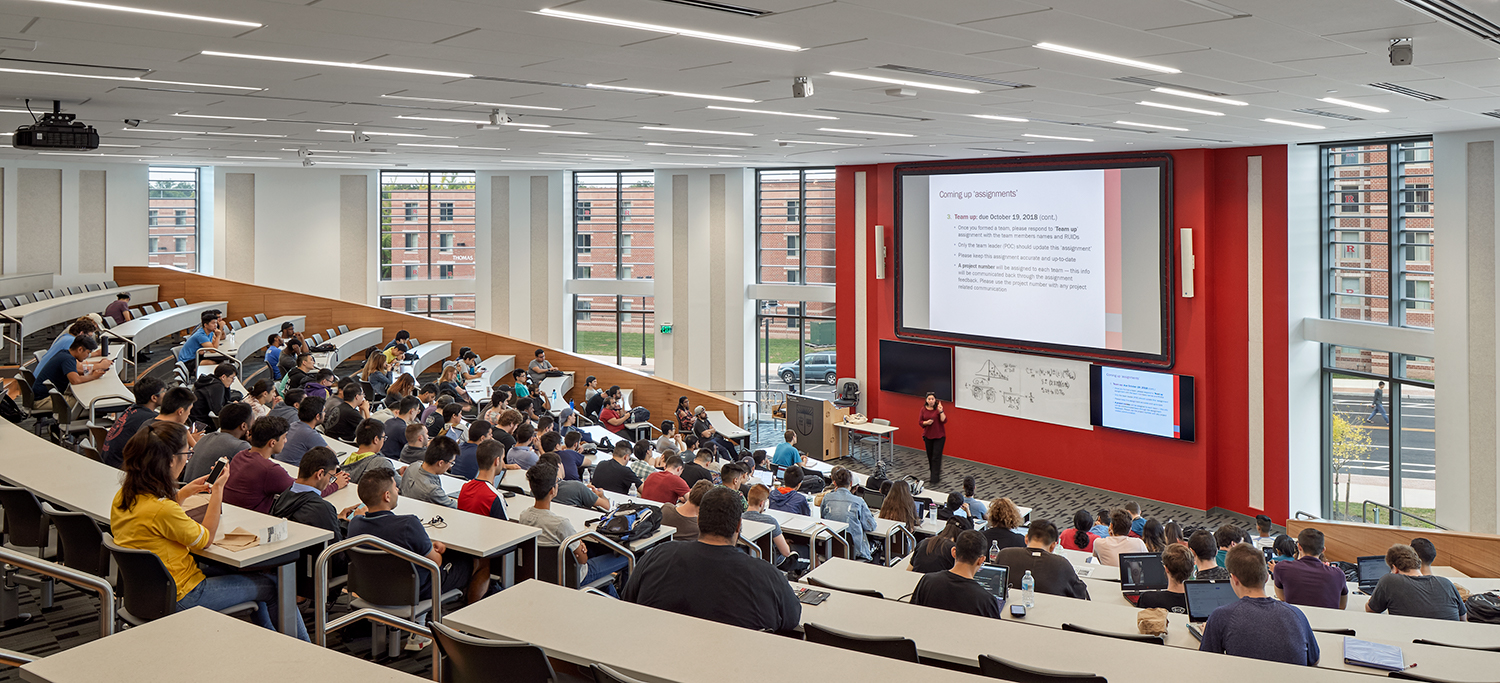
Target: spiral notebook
point(1374, 655)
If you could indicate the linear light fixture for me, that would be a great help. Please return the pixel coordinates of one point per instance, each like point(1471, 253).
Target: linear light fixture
point(993, 117)
point(393, 135)
point(482, 122)
point(1055, 137)
point(251, 118)
point(553, 130)
point(812, 142)
point(152, 12)
point(774, 113)
point(866, 132)
point(1159, 105)
point(131, 79)
point(199, 132)
point(225, 118)
point(1053, 47)
point(473, 103)
point(342, 65)
point(96, 154)
point(580, 154)
point(665, 144)
point(418, 144)
point(352, 163)
point(124, 146)
point(1356, 105)
point(657, 28)
point(332, 151)
point(1200, 96)
point(898, 81)
point(1149, 125)
point(1313, 126)
point(699, 130)
point(674, 93)
point(690, 154)
point(262, 158)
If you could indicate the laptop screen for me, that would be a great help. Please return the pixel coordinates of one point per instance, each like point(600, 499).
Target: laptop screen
point(1371, 568)
point(1142, 572)
point(1203, 597)
point(765, 477)
point(995, 579)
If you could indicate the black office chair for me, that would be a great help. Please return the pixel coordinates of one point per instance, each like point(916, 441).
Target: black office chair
point(150, 592)
point(605, 674)
point(1005, 670)
point(82, 541)
point(813, 581)
point(1482, 648)
point(848, 394)
point(28, 530)
point(470, 659)
point(1137, 637)
point(389, 584)
point(904, 649)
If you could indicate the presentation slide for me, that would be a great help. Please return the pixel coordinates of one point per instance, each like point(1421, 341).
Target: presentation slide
point(1139, 401)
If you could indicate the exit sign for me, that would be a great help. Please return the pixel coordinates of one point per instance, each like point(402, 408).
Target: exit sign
point(666, 328)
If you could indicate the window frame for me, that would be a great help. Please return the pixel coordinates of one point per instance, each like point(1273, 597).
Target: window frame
point(583, 212)
point(180, 217)
point(792, 208)
point(440, 219)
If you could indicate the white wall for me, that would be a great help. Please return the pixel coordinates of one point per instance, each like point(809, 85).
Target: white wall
point(125, 218)
point(1304, 360)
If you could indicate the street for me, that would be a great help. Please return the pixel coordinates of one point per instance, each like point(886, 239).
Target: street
point(1418, 435)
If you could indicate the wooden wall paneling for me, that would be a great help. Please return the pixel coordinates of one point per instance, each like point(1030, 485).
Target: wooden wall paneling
point(1477, 555)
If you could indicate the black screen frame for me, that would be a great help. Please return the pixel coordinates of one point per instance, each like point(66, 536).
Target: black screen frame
point(1164, 360)
point(880, 363)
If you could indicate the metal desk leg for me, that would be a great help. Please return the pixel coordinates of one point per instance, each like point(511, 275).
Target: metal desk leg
point(287, 613)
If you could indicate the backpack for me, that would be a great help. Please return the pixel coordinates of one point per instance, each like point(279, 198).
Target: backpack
point(281, 384)
point(9, 410)
point(630, 522)
point(639, 414)
point(1484, 608)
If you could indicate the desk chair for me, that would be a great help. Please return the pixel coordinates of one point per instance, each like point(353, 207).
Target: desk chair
point(150, 592)
point(471, 659)
point(848, 394)
point(110, 284)
point(1005, 670)
point(179, 302)
point(75, 290)
point(1137, 637)
point(604, 674)
point(28, 530)
point(875, 441)
point(343, 329)
point(55, 293)
point(92, 288)
point(82, 541)
point(904, 649)
point(388, 583)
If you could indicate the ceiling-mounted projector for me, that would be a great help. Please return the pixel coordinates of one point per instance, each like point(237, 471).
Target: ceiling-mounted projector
point(54, 131)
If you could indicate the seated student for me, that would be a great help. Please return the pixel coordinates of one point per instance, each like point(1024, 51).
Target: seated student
point(1178, 561)
point(684, 517)
point(843, 505)
point(377, 490)
point(572, 492)
point(573, 461)
point(211, 392)
point(538, 368)
point(611, 417)
point(711, 579)
point(1101, 524)
point(667, 485)
point(1079, 537)
point(1201, 542)
point(148, 393)
point(261, 400)
point(787, 497)
point(670, 439)
point(1137, 522)
point(1264, 539)
point(402, 386)
point(302, 435)
point(642, 461)
point(65, 369)
point(935, 553)
point(1308, 580)
point(523, 454)
point(595, 404)
point(147, 514)
point(257, 478)
point(1154, 535)
point(1226, 537)
point(395, 428)
point(467, 465)
point(119, 309)
point(369, 438)
point(1285, 549)
point(1426, 552)
point(402, 337)
point(733, 476)
point(449, 385)
point(1107, 550)
point(542, 480)
point(173, 406)
point(352, 410)
point(273, 356)
point(697, 470)
point(1407, 592)
point(424, 482)
point(416, 444)
point(303, 501)
point(287, 410)
point(1002, 519)
point(479, 494)
point(756, 500)
point(208, 335)
point(320, 382)
point(1054, 574)
point(786, 453)
point(614, 475)
point(899, 506)
point(234, 426)
point(82, 327)
point(1257, 626)
point(519, 377)
point(449, 422)
point(955, 589)
point(395, 354)
point(377, 372)
point(978, 509)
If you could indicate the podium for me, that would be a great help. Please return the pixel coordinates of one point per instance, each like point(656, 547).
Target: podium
point(812, 419)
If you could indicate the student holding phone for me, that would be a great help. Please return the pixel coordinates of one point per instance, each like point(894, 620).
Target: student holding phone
point(934, 435)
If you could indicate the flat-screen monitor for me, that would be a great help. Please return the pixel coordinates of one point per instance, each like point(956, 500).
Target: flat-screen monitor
point(916, 369)
point(1066, 256)
point(1155, 403)
point(1142, 572)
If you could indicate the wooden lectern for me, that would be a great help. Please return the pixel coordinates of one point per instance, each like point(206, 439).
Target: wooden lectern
point(812, 419)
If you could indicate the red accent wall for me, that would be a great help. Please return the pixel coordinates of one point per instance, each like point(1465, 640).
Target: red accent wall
point(1210, 196)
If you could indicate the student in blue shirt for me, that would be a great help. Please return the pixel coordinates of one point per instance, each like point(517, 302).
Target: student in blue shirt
point(64, 341)
point(521, 390)
point(1137, 522)
point(786, 453)
point(207, 336)
point(64, 371)
point(1258, 626)
point(273, 355)
point(842, 505)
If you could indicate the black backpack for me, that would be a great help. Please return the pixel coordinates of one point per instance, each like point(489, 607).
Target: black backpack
point(639, 414)
point(1484, 608)
point(630, 522)
point(9, 410)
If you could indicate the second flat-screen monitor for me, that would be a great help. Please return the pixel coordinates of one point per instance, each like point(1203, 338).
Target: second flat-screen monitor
point(916, 369)
point(1068, 257)
point(1155, 403)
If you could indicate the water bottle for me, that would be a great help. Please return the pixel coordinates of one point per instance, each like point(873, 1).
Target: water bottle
point(1028, 590)
point(588, 475)
point(994, 552)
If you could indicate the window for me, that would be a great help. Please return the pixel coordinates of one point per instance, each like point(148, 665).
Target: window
point(792, 331)
point(583, 272)
point(582, 310)
point(426, 251)
point(1419, 294)
point(1381, 445)
point(172, 193)
point(614, 220)
point(794, 226)
point(454, 308)
point(616, 329)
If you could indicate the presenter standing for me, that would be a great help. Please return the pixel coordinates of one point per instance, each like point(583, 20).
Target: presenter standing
point(933, 434)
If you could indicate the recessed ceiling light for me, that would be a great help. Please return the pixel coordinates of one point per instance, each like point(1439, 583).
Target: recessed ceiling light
point(1356, 105)
point(1159, 105)
point(392, 135)
point(132, 79)
point(471, 102)
point(689, 33)
point(898, 81)
point(553, 130)
point(776, 113)
point(1200, 96)
point(199, 132)
point(95, 154)
point(993, 117)
point(225, 118)
point(265, 158)
point(1313, 126)
point(690, 154)
point(1107, 58)
point(332, 151)
point(343, 65)
point(127, 146)
point(354, 163)
point(816, 142)
point(1055, 137)
point(699, 130)
point(152, 12)
point(482, 122)
point(866, 132)
point(674, 93)
point(1149, 125)
point(487, 149)
point(580, 154)
point(665, 144)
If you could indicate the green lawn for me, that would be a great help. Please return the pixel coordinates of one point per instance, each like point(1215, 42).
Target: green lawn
point(1354, 511)
point(603, 344)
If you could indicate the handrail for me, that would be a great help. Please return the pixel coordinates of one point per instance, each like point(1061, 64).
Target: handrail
point(13, 658)
point(754, 549)
point(1364, 509)
point(566, 549)
point(68, 575)
point(911, 538)
point(1305, 515)
point(320, 595)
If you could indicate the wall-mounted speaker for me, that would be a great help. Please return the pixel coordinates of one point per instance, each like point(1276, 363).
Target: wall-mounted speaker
point(880, 252)
point(1188, 264)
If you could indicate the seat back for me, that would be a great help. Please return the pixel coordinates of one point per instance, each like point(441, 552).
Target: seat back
point(480, 660)
point(260, 317)
point(82, 541)
point(904, 649)
point(149, 590)
point(25, 523)
point(92, 288)
point(381, 578)
point(343, 329)
point(331, 334)
point(247, 321)
point(813, 581)
point(110, 284)
point(26, 380)
point(994, 667)
point(1137, 637)
point(604, 674)
point(75, 290)
point(234, 325)
point(180, 302)
point(881, 421)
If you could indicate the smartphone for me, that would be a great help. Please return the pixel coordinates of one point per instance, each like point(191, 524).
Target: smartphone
point(200, 427)
point(1018, 610)
point(218, 469)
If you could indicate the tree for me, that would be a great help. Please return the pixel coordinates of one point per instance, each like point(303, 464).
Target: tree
point(1349, 443)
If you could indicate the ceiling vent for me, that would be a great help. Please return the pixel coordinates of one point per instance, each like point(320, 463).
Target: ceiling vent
point(949, 74)
point(1403, 90)
point(722, 7)
point(1459, 17)
point(1329, 114)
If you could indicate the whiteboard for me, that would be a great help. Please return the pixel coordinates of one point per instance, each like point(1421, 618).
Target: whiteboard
point(1029, 387)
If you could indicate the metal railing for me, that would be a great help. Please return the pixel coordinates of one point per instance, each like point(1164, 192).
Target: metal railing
point(566, 549)
point(320, 596)
point(754, 549)
point(910, 542)
point(10, 325)
point(1305, 515)
point(73, 577)
point(815, 536)
point(770, 397)
point(1364, 516)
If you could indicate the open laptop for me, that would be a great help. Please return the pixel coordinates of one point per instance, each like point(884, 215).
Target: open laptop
point(1203, 597)
point(1371, 568)
point(764, 477)
point(995, 579)
point(1141, 572)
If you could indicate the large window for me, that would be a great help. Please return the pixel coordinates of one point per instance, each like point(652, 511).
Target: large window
point(454, 308)
point(1381, 434)
point(794, 227)
point(794, 347)
point(614, 225)
point(172, 217)
point(616, 329)
point(427, 226)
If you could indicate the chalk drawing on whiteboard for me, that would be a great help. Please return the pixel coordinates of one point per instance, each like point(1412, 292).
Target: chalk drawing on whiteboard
point(982, 386)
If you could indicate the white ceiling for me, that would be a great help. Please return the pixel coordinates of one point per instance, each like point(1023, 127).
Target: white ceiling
point(1277, 55)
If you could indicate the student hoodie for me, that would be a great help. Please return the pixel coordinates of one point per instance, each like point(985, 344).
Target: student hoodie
point(787, 500)
point(211, 396)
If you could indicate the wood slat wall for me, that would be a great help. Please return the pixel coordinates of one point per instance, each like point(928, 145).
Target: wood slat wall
point(1477, 555)
point(656, 394)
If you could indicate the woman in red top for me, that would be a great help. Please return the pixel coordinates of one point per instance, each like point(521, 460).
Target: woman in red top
point(933, 435)
point(1079, 538)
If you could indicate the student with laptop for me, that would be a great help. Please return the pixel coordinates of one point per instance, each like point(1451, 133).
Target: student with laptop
point(1107, 550)
point(1054, 574)
point(1177, 562)
point(955, 589)
point(1142, 573)
point(1308, 580)
point(1254, 625)
point(1407, 592)
point(1205, 552)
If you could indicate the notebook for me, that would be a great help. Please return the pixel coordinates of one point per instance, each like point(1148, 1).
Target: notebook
point(1203, 597)
point(995, 579)
point(1371, 568)
point(1140, 572)
point(1374, 655)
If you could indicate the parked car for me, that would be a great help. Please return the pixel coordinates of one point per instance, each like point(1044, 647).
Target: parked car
point(821, 365)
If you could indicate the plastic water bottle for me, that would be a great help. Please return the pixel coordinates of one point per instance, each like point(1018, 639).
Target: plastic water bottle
point(1028, 590)
point(994, 551)
point(588, 475)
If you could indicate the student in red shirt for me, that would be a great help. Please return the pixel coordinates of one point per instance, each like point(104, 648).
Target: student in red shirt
point(666, 486)
point(611, 418)
point(1079, 537)
point(479, 495)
